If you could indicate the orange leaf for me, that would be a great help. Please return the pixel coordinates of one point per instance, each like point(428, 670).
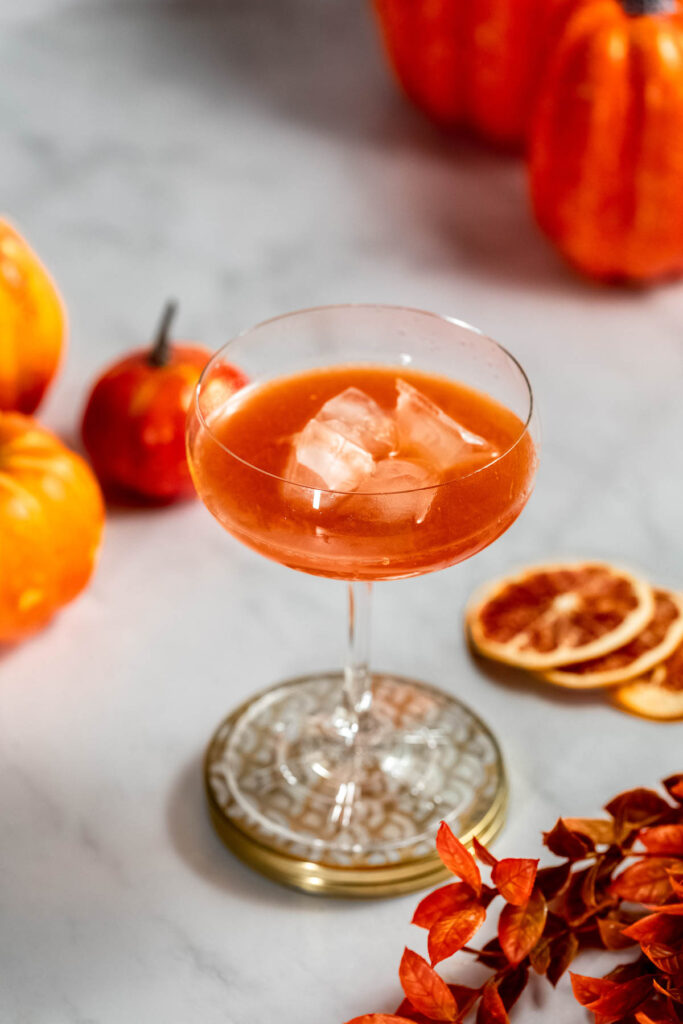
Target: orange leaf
point(655, 928)
point(561, 841)
point(564, 949)
point(491, 1009)
point(483, 854)
point(457, 858)
point(520, 928)
point(665, 959)
point(677, 885)
point(646, 881)
point(674, 786)
point(612, 934)
point(600, 830)
point(425, 990)
point(655, 1013)
point(379, 1018)
point(587, 990)
point(450, 934)
point(515, 879)
point(611, 1000)
point(671, 992)
point(663, 839)
point(636, 807)
point(443, 902)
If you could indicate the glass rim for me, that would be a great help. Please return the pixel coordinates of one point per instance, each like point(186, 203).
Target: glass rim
point(339, 307)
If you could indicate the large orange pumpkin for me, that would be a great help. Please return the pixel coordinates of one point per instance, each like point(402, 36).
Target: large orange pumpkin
point(32, 324)
point(472, 62)
point(606, 147)
point(51, 518)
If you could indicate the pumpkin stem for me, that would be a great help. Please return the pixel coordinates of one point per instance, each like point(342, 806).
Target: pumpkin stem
point(635, 8)
point(161, 348)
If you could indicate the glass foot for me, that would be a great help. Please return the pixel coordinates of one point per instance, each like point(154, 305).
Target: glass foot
point(300, 802)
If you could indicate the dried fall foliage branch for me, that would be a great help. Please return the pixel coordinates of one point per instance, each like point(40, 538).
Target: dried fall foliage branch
point(619, 886)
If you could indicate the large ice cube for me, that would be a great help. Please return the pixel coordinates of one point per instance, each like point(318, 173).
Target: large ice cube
point(426, 431)
point(359, 419)
point(321, 458)
point(397, 490)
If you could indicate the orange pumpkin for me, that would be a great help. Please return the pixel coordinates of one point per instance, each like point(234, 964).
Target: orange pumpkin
point(473, 63)
point(606, 147)
point(32, 324)
point(51, 519)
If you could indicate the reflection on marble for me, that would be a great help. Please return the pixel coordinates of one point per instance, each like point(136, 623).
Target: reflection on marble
point(251, 157)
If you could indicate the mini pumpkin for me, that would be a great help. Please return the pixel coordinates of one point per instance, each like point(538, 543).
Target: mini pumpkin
point(134, 421)
point(473, 63)
point(32, 324)
point(51, 519)
point(606, 146)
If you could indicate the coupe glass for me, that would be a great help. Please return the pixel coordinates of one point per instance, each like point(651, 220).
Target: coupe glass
point(352, 770)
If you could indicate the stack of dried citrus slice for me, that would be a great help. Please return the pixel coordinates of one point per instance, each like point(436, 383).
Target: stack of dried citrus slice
point(587, 625)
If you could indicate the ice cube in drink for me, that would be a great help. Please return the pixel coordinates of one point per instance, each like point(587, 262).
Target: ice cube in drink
point(398, 490)
point(427, 432)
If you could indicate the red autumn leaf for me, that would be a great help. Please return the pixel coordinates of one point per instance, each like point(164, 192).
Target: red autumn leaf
point(568, 844)
point(611, 1000)
point(457, 858)
point(425, 990)
point(587, 990)
point(512, 984)
point(514, 878)
point(656, 1013)
point(450, 934)
point(646, 881)
point(491, 1009)
point(655, 928)
point(663, 839)
point(677, 885)
point(520, 928)
point(671, 992)
point(465, 997)
point(563, 950)
point(612, 934)
point(539, 957)
point(665, 959)
point(600, 830)
point(551, 881)
point(443, 902)
point(380, 1018)
point(483, 854)
point(637, 807)
point(674, 786)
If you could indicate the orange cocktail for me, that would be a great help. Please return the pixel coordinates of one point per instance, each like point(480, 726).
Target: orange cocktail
point(402, 472)
point(371, 443)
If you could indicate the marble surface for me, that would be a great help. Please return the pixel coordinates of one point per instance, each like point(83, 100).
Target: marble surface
point(251, 157)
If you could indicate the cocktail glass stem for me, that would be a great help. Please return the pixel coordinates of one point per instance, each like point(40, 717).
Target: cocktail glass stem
point(352, 715)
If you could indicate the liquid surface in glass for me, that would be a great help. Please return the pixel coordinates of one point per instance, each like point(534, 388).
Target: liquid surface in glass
point(361, 472)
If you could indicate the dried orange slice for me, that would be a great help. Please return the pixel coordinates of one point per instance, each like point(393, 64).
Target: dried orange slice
point(659, 694)
point(659, 638)
point(559, 614)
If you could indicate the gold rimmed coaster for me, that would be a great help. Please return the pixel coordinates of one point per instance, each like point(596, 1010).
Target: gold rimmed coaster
point(259, 815)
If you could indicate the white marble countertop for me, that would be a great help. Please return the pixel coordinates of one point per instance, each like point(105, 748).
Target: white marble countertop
point(251, 157)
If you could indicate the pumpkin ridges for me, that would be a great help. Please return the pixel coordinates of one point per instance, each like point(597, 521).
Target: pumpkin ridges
point(51, 517)
point(565, 131)
point(609, 194)
point(472, 63)
point(33, 323)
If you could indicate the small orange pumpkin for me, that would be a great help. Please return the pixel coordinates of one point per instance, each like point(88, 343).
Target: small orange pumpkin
point(606, 146)
point(32, 324)
point(473, 63)
point(51, 519)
